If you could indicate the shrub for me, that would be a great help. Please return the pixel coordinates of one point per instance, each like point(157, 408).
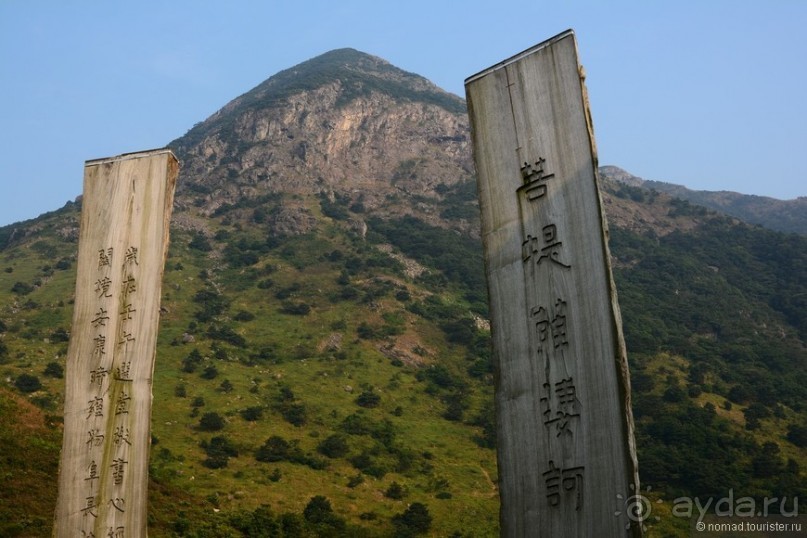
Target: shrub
point(318, 509)
point(27, 383)
point(368, 399)
point(243, 315)
point(797, 435)
point(395, 491)
point(226, 386)
point(211, 422)
point(219, 450)
point(60, 335)
point(210, 372)
point(54, 369)
point(252, 414)
point(21, 288)
point(294, 414)
point(295, 309)
point(414, 520)
point(274, 449)
point(192, 361)
point(334, 446)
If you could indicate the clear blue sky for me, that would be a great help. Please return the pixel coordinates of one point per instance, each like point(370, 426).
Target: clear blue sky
point(710, 95)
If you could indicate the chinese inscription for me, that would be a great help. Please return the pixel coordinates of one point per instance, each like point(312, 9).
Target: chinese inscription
point(560, 406)
point(109, 377)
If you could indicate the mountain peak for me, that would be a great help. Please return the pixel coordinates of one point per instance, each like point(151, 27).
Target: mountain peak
point(356, 74)
point(359, 74)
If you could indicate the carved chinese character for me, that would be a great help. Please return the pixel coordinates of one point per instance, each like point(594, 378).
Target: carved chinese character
point(122, 371)
point(129, 286)
point(96, 438)
point(550, 251)
point(121, 436)
point(560, 482)
point(102, 286)
point(90, 507)
point(87, 534)
point(122, 404)
point(116, 532)
point(552, 478)
point(535, 179)
point(557, 324)
point(104, 257)
point(131, 256)
point(92, 472)
point(127, 311)
point(95, 407)
point(125, 336)
point(118, 467)
point(99, 347)
point(100, 318)
point(558, 413)
point(98, 375)
point(118, 504)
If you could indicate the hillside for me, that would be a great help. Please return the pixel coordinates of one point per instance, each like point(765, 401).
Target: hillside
point(780, 215)
point(323, 361)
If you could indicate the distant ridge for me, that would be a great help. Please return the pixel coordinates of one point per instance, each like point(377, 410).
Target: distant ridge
point(779, 215)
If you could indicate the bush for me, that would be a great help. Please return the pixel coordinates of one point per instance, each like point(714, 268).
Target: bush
point(395, 491)
point(294, 414)
point(60, 335)
point(334, 446)
point(211, 422)
point(22, 288)
point(211, 372)
point(274, 449)
point(192, 361)
point(226, 386)
point(27, 383)
point(797, 435)
point(219, 450)
point(295, 309)
point(251, 414)
point(414, 520)
point(54, 369)
point(319, 512)
point(368, 399)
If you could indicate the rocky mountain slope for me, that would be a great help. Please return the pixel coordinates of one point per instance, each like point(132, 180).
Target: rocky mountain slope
point(323, 360)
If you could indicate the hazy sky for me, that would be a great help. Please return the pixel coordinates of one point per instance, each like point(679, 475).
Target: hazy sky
point(710, 95)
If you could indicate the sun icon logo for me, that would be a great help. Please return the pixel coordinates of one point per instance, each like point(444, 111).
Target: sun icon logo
point(637, 507)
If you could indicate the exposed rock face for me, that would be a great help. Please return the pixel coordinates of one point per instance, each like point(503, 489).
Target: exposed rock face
point(368, 134)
